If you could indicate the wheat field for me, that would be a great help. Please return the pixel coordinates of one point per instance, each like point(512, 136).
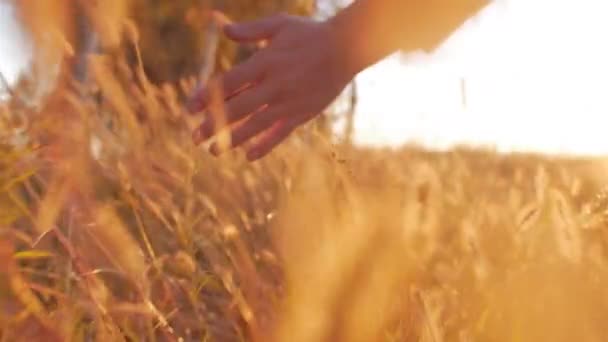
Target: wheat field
point(115, 227)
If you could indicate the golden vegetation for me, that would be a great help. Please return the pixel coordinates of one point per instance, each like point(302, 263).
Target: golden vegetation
point(114, 227)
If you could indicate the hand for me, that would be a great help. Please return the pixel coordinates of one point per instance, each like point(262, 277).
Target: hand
point(284, 85)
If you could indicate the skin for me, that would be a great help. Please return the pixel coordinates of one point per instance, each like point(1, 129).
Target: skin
point(306, 64)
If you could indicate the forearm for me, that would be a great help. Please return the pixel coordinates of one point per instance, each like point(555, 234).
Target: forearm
point(369, 30)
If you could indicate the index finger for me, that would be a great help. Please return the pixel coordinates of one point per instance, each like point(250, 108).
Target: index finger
point(230, 83)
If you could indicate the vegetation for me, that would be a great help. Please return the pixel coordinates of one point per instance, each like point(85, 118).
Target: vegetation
point(114, 227)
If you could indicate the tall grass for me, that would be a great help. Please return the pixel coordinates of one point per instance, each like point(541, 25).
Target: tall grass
point(114, 227)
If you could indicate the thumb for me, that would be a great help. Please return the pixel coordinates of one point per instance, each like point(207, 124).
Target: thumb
point(256, 30)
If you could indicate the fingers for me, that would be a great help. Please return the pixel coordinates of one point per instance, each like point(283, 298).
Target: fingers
point(269, 126)
point(279, 132)
point(274, 136)
point(256, 30)
point(239, 107)
point(253, 126)
point(237, 79)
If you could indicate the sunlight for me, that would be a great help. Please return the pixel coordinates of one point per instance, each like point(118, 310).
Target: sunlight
point(117, 224)
point(13, 54)
point(534, 81)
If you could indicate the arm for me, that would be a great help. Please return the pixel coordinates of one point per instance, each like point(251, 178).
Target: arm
point(306, 64)
point(373, 29)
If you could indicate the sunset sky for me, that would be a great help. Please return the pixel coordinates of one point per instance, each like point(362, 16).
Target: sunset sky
point(536, 75)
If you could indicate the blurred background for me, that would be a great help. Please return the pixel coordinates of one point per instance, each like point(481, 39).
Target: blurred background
point(115, 227)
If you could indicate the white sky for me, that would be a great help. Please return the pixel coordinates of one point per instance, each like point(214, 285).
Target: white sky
point(13, 54)
point(536, 73)
point(537, 79)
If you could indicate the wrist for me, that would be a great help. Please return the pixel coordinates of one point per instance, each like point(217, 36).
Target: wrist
point(360, 38)
point(345, 47)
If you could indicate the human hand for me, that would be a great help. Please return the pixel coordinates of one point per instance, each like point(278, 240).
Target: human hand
point(285, 84)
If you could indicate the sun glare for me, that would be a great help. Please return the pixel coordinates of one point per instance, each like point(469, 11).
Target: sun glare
point(13, 54)
point(533, 75)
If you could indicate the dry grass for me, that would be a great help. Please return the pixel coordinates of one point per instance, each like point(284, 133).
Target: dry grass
point(113, 227)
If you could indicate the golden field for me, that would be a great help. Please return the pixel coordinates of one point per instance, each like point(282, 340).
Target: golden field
point(115, 227)
point(133, 234)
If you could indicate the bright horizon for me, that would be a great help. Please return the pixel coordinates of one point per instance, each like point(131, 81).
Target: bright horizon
point(536, 79)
